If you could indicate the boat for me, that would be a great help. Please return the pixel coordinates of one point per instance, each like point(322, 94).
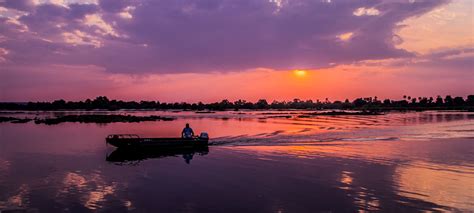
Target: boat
point(133, 141)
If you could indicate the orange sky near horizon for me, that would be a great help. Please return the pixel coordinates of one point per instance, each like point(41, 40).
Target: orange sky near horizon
point(79, 83)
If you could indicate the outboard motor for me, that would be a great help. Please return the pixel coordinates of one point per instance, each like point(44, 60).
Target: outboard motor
point(204, 135)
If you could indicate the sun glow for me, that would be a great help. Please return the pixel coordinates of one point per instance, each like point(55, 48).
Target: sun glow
point(300, 73)
point(345, 36)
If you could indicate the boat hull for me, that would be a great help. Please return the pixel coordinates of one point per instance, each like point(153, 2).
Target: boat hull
point(133, 141)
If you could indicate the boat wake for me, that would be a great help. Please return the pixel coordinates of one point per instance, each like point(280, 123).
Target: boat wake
point(282, 140)
point(307, 136)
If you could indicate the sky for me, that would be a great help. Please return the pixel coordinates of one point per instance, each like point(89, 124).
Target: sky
point(209, 50)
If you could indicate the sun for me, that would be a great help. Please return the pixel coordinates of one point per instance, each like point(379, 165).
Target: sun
point(300, 73)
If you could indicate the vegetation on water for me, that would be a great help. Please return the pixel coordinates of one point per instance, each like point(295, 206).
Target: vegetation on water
point(368, 104)
point(14, 120)
point(100, 119)
point(87, 119)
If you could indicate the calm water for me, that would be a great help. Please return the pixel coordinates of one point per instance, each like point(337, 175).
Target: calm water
point(258, 162)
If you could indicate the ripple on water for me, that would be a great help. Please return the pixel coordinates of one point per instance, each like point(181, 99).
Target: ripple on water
point(441, 184)
point(421, 170)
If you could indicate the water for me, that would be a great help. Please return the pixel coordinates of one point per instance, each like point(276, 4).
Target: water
point(258, 162)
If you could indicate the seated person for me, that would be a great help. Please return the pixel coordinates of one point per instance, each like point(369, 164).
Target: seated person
point(187, 132)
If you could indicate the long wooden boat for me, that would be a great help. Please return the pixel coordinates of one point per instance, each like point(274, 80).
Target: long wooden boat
point(135, 141)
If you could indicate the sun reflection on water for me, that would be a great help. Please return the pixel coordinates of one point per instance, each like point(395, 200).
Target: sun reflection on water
point(420, 170)
point(18, 201)
point(364, 199)
point(344, 153)
point(346, 178)
point(91, 188)
point(447, 186)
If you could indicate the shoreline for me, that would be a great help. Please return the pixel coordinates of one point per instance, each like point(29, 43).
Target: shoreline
point(101, 116)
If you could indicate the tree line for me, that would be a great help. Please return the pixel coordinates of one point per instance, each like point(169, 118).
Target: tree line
point(369, 103)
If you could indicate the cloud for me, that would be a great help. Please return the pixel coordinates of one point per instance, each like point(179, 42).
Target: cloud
point(451, 62)
point(345, 36)
point(22, 5)
point(366, 12)
point(169, 36)
point(114, 5)
point(3, 53)
point(79, 11)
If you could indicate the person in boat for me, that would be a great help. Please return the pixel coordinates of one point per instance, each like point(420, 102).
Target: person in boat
point(187, 132)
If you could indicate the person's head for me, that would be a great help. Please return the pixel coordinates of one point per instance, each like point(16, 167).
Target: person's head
point(187, 125)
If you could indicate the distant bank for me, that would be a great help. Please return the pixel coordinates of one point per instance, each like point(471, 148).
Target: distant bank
point(365, 104)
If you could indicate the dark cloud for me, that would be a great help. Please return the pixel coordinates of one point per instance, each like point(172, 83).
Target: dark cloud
point(22, 5)
point(78, 11)
point(451, 60)
point(113, 5)
point(218, 35)
point(45, 19)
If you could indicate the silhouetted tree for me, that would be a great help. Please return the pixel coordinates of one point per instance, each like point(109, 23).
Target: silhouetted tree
point(439, 100)
point(102, 102)
point(359, 102)
point(458, 101)
point(430, 100)
point(59, 104)
point(262, 104)
point(448, 100)
point(470, 100)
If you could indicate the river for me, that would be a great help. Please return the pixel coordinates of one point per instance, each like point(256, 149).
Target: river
point(258, 161)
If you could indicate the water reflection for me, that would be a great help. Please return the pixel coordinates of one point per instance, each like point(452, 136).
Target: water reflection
point(20, 198)
point(445, 185)
point(346, 179)
point(134, 157)
point(258, 162)
point(93, 189)
point(431, 175)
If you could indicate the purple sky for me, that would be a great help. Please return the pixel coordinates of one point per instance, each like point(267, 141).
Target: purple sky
point(136, 39)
